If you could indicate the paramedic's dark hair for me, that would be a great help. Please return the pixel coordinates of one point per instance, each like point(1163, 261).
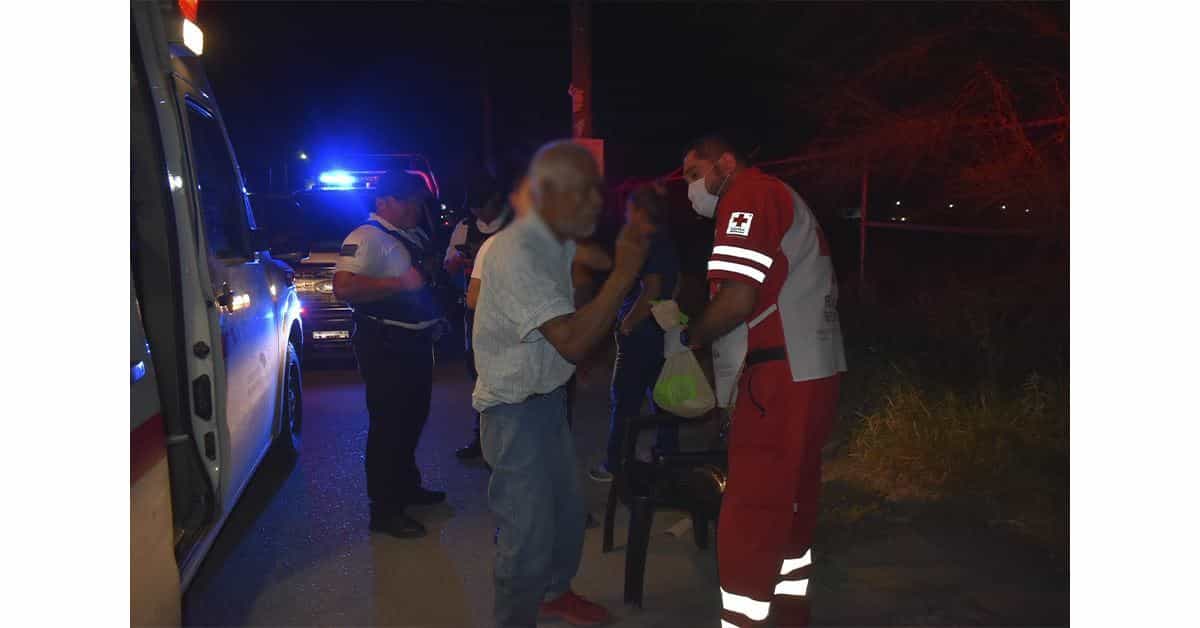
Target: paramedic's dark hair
point(711, 147)
point(649, 199)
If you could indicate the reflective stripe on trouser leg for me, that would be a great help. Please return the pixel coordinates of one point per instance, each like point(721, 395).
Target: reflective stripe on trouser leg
point(794, 576)
point(756, 610)
point(790, 606)
point(756, 513)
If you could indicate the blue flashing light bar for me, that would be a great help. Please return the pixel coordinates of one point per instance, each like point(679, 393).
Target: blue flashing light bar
point(337, 178)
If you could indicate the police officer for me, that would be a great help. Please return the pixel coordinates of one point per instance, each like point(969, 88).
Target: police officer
point(487, 220)
point(384, 271)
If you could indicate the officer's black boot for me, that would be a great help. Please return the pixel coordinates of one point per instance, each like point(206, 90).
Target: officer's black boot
point(396, 523)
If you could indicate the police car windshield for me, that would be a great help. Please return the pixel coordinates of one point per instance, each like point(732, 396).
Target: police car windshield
point(326, 217)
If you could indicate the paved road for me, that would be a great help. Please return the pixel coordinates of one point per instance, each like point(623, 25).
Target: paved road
point(296, 551)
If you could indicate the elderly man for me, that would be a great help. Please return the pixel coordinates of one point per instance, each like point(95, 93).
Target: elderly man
point(528, 336)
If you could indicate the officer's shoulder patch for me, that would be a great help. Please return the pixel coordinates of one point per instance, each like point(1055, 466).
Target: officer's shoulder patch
point(348, 250)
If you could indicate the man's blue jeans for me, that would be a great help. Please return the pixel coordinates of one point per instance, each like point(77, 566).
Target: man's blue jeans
point(534, 493)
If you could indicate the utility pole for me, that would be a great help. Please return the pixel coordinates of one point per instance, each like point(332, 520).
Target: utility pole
point(581, 68)
point(489, 142)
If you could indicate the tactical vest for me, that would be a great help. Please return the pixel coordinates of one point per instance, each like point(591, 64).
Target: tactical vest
point(411, 306)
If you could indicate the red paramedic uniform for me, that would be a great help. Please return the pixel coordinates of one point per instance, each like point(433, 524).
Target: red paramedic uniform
point(787, 397)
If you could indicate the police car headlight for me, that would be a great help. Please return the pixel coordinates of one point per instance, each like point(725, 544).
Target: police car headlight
point(313, 286)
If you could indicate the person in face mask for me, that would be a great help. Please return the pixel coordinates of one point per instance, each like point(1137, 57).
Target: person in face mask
point(770, 274)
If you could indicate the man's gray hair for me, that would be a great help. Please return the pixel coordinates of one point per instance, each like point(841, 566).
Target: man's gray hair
point(560, 163)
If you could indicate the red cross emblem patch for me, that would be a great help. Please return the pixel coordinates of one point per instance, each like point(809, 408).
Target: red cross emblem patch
point(739, 224)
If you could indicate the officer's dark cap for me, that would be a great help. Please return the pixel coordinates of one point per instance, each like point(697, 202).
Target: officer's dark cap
point(402, 185)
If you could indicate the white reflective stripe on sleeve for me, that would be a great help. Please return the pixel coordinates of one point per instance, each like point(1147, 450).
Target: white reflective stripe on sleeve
point(748, 606)
point(740, 269)
point(797, 588)
point(792, 564)
point(761, 317)
point(737, 251)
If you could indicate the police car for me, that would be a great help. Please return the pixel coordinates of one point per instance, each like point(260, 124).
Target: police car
point(317, 220)
point(215, 323)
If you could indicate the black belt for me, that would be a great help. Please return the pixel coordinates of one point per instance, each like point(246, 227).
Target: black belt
point(766, 355)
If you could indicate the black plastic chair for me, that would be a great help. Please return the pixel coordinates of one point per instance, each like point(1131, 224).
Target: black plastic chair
point(692, 481)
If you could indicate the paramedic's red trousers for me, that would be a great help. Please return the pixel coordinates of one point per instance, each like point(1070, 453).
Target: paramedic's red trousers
point(770, 504)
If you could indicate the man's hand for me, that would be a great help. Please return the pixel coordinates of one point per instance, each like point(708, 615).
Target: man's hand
point(633, 245)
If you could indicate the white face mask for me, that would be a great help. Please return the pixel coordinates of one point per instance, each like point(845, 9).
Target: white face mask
point(704, 203)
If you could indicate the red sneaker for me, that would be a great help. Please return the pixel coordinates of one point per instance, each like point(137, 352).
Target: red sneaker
point(575, 610)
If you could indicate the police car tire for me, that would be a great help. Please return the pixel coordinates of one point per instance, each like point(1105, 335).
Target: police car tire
point(292, 400)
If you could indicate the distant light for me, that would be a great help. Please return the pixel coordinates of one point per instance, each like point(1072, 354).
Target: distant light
point(176, 181)
point(273, 292)
point(1026, 211)
point(338, 177)
point(904, 219)
point(443, 207)
point(1004, 207)
point(951, 205)
point(897, 203)
point(193, 37)
point(303, 156)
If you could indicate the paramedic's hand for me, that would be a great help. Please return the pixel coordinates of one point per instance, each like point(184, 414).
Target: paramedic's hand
point(672, 343)
point(633, 244)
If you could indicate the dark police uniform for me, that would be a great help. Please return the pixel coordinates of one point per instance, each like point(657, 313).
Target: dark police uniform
point(393, 342)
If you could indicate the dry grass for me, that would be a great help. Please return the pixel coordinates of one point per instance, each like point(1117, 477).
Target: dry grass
point(959, 395)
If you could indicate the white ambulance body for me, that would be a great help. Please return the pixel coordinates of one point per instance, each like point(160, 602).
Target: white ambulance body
point(214, 319)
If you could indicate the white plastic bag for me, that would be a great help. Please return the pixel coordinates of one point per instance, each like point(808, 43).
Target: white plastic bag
point(667, 314)
point(682, 389)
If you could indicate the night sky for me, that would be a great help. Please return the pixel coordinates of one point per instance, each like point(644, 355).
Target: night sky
point(338, 77)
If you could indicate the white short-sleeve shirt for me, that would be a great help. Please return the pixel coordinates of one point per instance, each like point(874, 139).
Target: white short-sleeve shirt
point(526, 283)
point(371, 252)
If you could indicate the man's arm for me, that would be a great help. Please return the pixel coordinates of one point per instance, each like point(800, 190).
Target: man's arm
point(455, 261)
point(574, 335)
point(356, 288)
point(651, 291)
point(473, 292)
point(732, 306)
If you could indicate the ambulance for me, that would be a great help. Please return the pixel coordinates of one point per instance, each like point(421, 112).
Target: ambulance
point(214, 318)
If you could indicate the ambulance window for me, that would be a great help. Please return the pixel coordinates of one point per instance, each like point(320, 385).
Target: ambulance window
point(221, 200)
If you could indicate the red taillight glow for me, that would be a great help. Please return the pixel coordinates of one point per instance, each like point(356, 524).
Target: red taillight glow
point(189, 8)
